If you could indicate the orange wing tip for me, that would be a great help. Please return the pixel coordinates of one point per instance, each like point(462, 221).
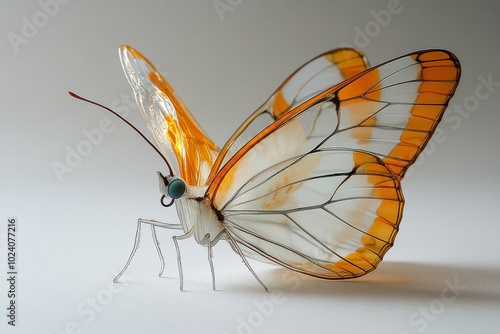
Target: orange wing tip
point(349, 61)
point(434, 55)
point(133, 53)
point(438, 65)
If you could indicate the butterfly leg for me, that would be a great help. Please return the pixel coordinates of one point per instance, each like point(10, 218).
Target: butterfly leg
point(240, 253)
point(206, 240)
point(158, 250)
point(210, 244)
point(137, 241)
point(179, 262)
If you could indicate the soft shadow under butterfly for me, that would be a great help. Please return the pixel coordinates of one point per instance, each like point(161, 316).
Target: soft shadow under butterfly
point(317, 188)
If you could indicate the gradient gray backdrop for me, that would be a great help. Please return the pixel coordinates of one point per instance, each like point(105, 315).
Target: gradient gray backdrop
point(76, 231)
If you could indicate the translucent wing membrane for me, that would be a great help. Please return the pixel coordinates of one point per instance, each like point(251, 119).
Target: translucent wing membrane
point(317, 187)
point(318, 191)
point(335, 221)
point(393, 110)
point(173, 127)
point(312, 78)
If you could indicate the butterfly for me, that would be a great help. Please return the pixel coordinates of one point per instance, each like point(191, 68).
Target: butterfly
point(311, 181)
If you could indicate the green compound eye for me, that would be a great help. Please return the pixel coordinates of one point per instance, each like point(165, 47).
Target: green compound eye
point(176, 188)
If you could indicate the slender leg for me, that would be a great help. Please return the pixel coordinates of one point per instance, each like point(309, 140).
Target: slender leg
point(210, 256)
point(158, 250)
point(134, 249)
point(210, 244)
point(238, 250)
point(179, 262)
point(137, 241)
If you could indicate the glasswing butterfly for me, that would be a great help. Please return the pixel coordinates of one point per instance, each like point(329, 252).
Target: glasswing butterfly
point(318, 188)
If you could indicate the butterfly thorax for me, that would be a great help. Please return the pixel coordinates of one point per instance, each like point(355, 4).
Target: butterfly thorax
point(196, 213)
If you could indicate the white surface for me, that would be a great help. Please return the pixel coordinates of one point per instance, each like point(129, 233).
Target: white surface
point(76, 234)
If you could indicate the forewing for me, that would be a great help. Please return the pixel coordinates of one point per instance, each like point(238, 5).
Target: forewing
point(393, 110)
point(312, 78)
point(328, 202)
point(175, 131)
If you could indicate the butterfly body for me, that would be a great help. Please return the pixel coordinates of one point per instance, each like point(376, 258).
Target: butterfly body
point(316, 190)
point(197, 215)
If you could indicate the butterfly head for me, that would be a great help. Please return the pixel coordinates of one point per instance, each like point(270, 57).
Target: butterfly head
point(171, 187)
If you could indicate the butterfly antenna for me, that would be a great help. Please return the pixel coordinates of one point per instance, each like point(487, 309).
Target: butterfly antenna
point(128, 123)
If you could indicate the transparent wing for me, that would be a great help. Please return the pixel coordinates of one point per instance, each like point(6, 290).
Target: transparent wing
point(312, 78)
point(393, 110)
point(321, 213)
point(328, 202)
point(175, 131)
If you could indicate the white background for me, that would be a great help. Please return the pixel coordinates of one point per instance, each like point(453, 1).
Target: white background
point(76, 231)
